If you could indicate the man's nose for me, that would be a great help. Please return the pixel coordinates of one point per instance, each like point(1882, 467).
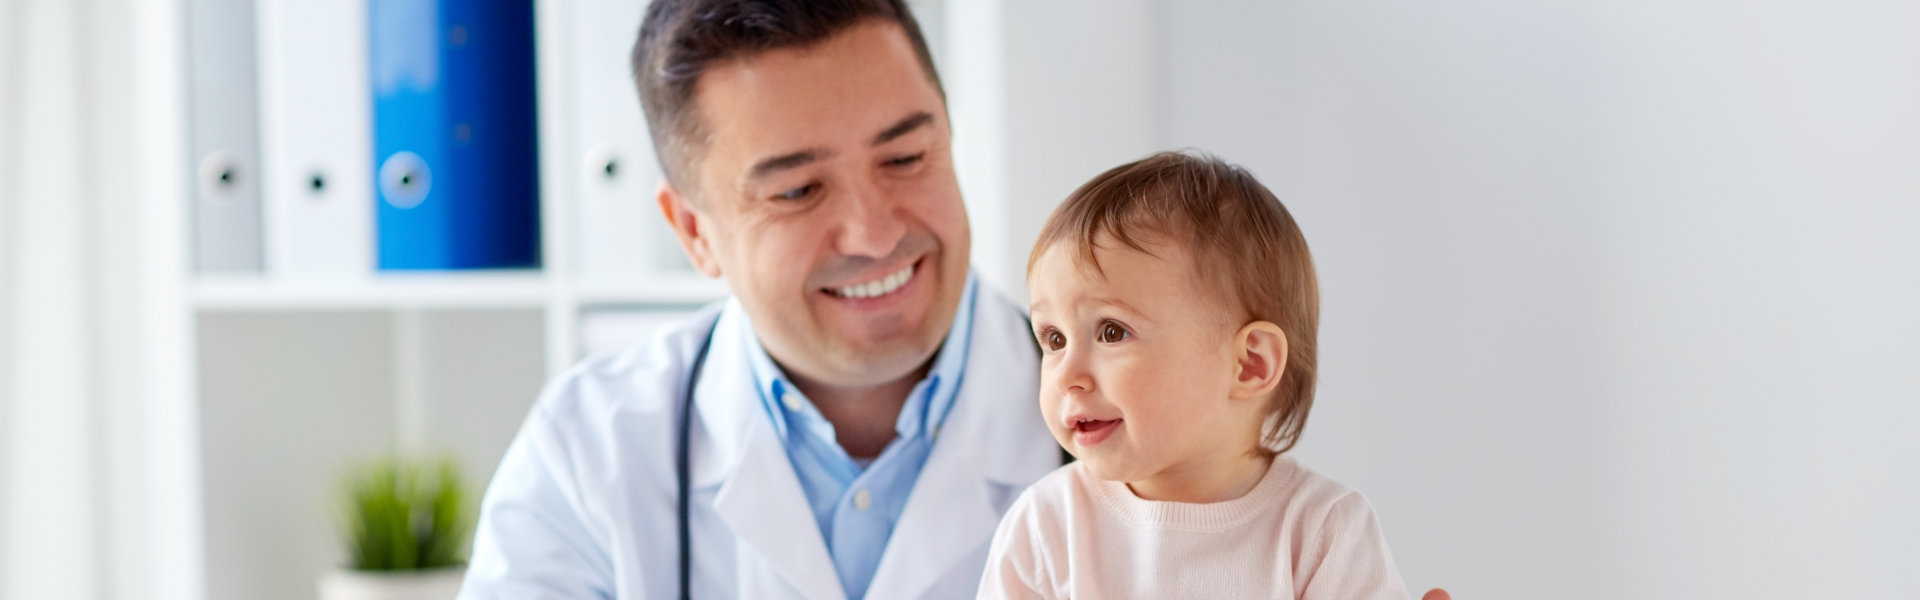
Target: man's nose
point(870, 222)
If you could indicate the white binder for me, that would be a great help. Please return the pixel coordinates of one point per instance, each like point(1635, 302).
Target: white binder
point(224, 136)
point(622, 237)
point(316, 139)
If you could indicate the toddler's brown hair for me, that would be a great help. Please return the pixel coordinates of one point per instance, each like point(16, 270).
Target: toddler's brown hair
point(1243, 242)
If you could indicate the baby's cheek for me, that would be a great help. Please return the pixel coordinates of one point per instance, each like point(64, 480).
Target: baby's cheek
point(1049, 405)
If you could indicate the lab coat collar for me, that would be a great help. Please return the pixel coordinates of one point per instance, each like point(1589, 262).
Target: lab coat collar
point(735, 446)
point(993, 438)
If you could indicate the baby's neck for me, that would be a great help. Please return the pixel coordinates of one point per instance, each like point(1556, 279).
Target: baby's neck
point(1202, 482)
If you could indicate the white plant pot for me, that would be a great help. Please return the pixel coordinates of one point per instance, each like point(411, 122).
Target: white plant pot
point(430, 584)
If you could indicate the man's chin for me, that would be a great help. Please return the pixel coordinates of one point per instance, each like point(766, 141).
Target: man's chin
point(869, 364)
point(881, 333)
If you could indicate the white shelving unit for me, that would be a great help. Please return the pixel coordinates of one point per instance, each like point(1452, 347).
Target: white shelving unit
point(288, 380)
point(479, 290)
point(263, 388)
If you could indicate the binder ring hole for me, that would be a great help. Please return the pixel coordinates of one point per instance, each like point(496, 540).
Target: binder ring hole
point(611, 169)
point(405, 180)
point(219, 176)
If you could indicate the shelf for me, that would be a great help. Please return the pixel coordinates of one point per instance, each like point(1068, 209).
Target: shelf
point(687, 289)
point(442, 291)
point(384, 292)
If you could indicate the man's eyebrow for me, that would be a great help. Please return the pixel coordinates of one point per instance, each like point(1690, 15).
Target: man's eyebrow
point(905, 126)
point(783, 162)
point(802, 158)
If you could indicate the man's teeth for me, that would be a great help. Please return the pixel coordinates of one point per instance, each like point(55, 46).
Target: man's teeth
point(878, 287)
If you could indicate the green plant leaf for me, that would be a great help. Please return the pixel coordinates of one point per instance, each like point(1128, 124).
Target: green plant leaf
point(403, 513)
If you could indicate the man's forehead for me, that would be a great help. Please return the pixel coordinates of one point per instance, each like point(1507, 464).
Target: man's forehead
point(843, 90)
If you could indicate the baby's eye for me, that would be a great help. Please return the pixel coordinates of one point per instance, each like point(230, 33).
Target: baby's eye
point(1111, 332)
point(1053, 340)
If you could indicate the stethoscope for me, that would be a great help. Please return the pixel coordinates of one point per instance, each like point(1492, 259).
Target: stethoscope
point(680, 461)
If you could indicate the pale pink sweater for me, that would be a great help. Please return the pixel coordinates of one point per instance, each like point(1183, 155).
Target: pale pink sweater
point(1298, 534)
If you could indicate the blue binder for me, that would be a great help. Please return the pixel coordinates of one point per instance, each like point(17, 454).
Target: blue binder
point(455, 153)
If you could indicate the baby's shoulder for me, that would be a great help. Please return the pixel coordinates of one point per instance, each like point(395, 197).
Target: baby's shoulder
point(1057, 505)
point(1308, 488)
point(1058, 492)
point(1312, 499)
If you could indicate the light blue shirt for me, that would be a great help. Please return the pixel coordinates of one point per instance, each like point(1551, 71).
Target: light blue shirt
point(857, 507)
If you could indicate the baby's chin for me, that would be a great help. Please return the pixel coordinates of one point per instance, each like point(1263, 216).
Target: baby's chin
point(1107, 468)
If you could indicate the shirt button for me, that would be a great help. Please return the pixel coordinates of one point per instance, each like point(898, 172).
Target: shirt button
point(792, 401)
point(936, 433)
point(862, 500)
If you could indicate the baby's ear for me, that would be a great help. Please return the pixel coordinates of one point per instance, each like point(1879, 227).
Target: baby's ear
point(1260, 355)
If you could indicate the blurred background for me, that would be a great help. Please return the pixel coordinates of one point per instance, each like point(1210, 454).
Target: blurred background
point(1621, 298)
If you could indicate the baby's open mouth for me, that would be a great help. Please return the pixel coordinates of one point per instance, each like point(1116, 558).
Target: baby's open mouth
point(1087, 432)
point(1085, 425)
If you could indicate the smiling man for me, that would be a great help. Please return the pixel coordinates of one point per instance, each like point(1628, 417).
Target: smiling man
point(855, 420)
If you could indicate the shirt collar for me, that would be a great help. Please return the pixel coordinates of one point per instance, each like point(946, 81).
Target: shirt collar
point(926, 406)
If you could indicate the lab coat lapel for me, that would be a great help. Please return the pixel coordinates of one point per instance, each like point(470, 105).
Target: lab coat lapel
point(946, 519)
point(993, 438)
point(760, 498)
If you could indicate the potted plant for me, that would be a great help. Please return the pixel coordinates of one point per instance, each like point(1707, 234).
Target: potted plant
point(406, 524)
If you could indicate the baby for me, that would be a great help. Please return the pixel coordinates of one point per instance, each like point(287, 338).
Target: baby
point(1176, 309)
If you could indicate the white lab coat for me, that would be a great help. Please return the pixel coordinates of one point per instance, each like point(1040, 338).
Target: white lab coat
point(584, 503)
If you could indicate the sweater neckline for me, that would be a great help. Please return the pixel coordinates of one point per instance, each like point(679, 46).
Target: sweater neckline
point(1135, 511)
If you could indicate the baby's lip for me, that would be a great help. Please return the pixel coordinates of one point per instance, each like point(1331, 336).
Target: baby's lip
point(1073, 421)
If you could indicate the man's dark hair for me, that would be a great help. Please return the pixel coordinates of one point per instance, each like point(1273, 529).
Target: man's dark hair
point(680, 38)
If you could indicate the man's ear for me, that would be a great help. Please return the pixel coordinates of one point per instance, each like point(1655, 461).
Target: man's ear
point(1260, 359)
point(687, 224)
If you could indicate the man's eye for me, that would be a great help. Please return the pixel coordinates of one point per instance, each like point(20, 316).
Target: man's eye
point(1111, 332)
point(797, 193)
point(1054, 341)
point(906, 160)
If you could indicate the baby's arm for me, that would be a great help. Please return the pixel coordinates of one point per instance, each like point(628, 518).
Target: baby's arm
point(1347, 557)
point(1014, 570)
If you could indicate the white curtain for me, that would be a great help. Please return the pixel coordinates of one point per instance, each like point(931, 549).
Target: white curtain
point(52, 505)
point(10, 89)
point(78, 304)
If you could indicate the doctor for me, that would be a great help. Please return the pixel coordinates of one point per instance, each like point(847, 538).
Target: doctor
point(853, 422)
point(864, 409)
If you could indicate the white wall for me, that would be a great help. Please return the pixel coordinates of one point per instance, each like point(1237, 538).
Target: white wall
point(291, 401)
point(1620, 297)
point(1043, 96)
point(288, 402)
